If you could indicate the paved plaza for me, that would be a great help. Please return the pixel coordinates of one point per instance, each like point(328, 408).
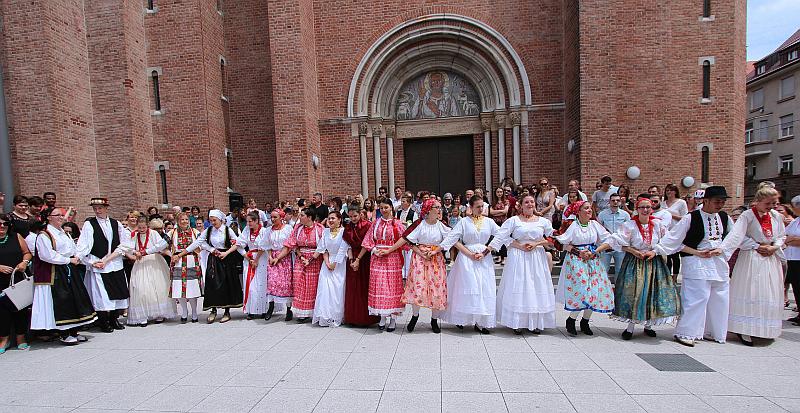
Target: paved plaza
point(260, 366)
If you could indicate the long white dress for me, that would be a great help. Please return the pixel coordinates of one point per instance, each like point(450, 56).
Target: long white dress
point(150, 280)
point(471, 287)
point(329, 304)
point(756, 286)
point(255, 289)
point(525, 298)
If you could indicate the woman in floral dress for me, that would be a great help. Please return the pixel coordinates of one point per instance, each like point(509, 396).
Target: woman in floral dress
point(279, 270)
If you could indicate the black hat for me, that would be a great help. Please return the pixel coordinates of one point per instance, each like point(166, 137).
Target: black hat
point(716, 192)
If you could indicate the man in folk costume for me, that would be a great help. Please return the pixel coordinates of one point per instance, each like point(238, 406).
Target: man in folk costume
point(705, 291)
point(105, 278)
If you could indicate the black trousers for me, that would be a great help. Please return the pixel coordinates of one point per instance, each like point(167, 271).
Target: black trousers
point(793, 278)
point(674, 263)
point(18, 320)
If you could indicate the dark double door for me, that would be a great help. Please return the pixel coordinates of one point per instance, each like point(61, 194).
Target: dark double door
point(440, 165)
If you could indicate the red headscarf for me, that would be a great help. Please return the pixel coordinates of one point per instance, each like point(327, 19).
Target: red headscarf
point(281, 214)
point(426, 208)
point(646, 236)
point(573, 208)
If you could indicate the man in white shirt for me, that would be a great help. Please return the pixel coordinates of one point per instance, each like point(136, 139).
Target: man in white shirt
point(600, 198)
point(398, 195)
point(613, 218)
point(98, 248)
point(705, 289)
point(572, 185)
point(661, 213)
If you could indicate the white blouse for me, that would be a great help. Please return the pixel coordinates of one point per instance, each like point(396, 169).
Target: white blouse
point(515, 229)
point(274, 240)
point(217, 239)
point(259, 243)
point(155, 243)
point(428, 234)
point(793, 253)
point(747, 228)
point(628, 235)
point(469, 235)
point(336, 247)
point(576, 234)
point(65, 246)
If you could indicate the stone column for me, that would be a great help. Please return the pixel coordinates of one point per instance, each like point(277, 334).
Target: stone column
point(362, 144)
point(501, 146)
point(486, 125)
point(376, 146)
point(389, 129)
point(516, 120)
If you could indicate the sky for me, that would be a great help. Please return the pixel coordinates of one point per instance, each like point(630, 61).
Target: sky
point(769, 23)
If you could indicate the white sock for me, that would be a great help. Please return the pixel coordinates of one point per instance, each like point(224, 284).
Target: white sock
point(647, 325)
point(414, 310)
point(630, 327)
point(184, 308)
point(382, 322)
point(193, 304)
point(391, 322)
point(587, 314)
point(574, 314)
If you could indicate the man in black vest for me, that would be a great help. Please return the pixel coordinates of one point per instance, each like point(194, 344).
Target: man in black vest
point(704, 291)
point(105, 278)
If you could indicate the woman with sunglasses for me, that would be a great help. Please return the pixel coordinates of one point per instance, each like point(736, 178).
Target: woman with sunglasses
point(14, 259)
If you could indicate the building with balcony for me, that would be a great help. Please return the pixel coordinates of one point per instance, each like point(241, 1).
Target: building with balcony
point(770, 145)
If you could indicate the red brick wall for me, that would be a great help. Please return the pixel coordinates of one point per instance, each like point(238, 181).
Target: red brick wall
point(49, 103)
point(117, 62)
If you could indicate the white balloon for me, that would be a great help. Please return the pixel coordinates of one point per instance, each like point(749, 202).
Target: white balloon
point(633, 172)
point(687, 182)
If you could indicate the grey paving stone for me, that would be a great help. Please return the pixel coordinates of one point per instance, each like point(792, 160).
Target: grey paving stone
point(289, 400)
point(360, 379)
point(410, 402)
point(526, 381)
point(231, 399)
point(460, 402)
point(672, 403)
point(469, 381)
point(348, 401)
point(543, 402)
point(742, 404)
point(414, 380)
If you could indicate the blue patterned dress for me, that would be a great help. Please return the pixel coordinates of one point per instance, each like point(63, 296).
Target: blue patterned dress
point(584, 284)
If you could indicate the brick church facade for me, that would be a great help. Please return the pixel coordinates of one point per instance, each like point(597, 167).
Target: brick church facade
point(279, 99)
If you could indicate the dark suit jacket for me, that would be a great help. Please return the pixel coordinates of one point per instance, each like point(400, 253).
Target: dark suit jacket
point(411, 215)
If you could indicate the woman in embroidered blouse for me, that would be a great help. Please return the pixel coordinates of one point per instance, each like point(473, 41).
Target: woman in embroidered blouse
point(329, 305)
point(279, 272)
point(59, 303)
point(149, 287)
point(386, 269)
point(499, 212)
point(583, 283)
point(471, 288)
point(427, 279)
point(756, 290)
point(303, 241)
point(186, 273)
point(255, 266)
point(525, 298)
point(645, 291)
point(223, 287)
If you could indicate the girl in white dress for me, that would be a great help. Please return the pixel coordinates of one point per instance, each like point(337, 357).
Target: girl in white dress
point(150, 278)
point(186, 271)
point(583, 283)
point(756, 290)
point(255, 265)
point(525, 298)
point(471, 288)
point(329, 304)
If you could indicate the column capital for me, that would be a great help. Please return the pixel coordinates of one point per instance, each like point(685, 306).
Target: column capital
point(516, 118)
point(376, 130)
point(500, 119)
point(362, 128)
point(486, 124)
point(389, 130)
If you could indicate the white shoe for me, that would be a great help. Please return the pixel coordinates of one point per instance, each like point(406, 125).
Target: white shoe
point(685, 341)
point(69, 341)
point(81, 339)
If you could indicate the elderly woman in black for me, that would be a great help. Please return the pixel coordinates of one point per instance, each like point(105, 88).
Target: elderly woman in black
point(14, 259)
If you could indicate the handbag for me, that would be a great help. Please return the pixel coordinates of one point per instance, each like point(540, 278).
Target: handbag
point(18, 296)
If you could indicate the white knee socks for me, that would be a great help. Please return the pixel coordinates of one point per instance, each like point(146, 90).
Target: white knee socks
point(184, 309)
point(587, 314)
point(414, 310)
point(193, 304)
point(630, 327)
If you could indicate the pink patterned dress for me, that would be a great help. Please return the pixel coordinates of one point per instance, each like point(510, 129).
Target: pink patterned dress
point(427, 279)
point(386, 272)
point(279, 276)
point(306, 277)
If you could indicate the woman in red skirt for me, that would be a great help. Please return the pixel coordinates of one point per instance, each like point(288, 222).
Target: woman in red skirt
point(356, 286)
point(306, 268)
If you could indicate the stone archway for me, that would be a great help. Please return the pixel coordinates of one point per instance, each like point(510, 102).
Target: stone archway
point(461, 47)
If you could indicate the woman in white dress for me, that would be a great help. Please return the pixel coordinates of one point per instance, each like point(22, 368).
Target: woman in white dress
point(255, 266)
point(525, 297)
point(756, 290)
point(186, 272)
point(583, 283)
point(677, 208)
point(150, 278)
point(329, 304)
point(471, 288)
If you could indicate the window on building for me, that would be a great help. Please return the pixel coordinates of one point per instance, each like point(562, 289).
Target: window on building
point(219, 6)
point(748, 133)
point(706, 8)
point(151, 5)
point(757, 99)
point(763, 130)
point(156, 90)
point(229, 160)
point(787, 87)
point(162, 174)
point(787, 126)
point(761, 69)
point(704, 164)
point(750, 170)
point(222, 76)
point(787, 164)
point(706, 79)
point(792, 55)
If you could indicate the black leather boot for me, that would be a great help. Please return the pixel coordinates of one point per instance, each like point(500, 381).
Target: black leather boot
point(270, 310)
point(435, 326)
point(571, 327)
point(585, 327)
point(412, 323)
point(289, 315)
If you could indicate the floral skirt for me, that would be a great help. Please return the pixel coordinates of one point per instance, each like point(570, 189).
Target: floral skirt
point(426, 285)
point(645, 292)
point(279, 279)
point(584, 285)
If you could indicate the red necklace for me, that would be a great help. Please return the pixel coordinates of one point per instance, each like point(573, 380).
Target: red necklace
point(142, 248)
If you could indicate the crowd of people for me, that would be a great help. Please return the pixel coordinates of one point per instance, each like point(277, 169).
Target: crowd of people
point(360, 261)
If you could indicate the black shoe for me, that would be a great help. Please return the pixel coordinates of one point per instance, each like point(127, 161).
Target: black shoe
point(194, 320)
point(381, 327)
point(303, 320)
point(482, 330)
point(116, 325)
point(184, 320)
point(571, 327)
point(649, 332)
point(745, 342)
point(459, 326)
point(435, 326)
point(270, 310)
point(158, 321)
point(794, 319)
point(106, 329)
point(249, 316)
point(412, 323)
point(518, 331)
point(536, 331)
point(627, 335)
point(289, 314)
point(585, 327)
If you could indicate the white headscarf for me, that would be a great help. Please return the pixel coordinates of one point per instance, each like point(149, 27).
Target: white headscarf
point(217, 214)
